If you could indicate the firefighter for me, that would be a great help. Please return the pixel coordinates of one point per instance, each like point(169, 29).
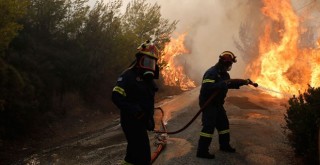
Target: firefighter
point(134, 95)
point(214, 115)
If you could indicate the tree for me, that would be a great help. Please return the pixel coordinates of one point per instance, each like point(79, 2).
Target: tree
point(73, 23)
point(143, 21)
point(98, 42)
point(44, 16)
point(302, 121)
point(10, 11)
point(66, 47)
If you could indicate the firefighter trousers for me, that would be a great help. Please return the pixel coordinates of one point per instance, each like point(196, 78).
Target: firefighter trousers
point(214, 117)
point(138, 147)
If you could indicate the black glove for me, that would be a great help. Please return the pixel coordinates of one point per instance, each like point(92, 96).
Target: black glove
point(248, 82)
point(252, 83)
point(243, 82)
point(237, 83)
point(150, 124)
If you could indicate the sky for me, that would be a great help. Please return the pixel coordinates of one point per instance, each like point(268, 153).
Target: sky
point(212, 26)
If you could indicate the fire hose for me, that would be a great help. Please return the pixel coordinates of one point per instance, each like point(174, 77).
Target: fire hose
point(161, 136)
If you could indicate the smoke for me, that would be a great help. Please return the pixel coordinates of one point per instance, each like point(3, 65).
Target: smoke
point(212, 27)
point(215, 26)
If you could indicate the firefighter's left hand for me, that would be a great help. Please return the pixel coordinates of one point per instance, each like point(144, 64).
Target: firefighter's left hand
point(150, 124)
point(248, 82)
point(244, 82)
point(252, 83)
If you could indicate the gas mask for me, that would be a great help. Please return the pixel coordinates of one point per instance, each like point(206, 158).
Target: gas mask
point(226, 59)
point(147, 66)
point(147, 60)
point(147, 63)
point(228, 66)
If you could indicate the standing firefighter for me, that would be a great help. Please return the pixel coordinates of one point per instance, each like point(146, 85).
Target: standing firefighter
point(214, 115)
point(134, 95)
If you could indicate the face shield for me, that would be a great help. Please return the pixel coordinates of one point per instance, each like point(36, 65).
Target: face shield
point(147, 60)
point(148, 63)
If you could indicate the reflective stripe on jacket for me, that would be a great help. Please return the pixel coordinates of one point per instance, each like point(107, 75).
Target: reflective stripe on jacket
point(213, 80)
point(132, 94)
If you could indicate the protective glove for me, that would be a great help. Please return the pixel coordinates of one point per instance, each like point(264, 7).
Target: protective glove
point(252, 83)
point(150, 124)
point(248, 82)
point(237, 83)
point(244, 82)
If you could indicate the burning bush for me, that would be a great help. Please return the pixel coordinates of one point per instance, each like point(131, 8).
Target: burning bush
point(303, 121)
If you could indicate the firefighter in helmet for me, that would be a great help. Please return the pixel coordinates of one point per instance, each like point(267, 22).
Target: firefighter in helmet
point(134, 95)
point(214, 115)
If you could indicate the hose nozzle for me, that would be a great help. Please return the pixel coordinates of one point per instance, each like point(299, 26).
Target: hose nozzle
point(253, 83)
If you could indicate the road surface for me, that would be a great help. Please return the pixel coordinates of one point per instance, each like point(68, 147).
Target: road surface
point(256, 126)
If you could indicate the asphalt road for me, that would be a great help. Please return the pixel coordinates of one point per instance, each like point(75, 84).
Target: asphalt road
point(256, 122)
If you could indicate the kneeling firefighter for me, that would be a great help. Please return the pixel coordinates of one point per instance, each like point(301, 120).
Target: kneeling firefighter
point(214, 115)
point(134, 95)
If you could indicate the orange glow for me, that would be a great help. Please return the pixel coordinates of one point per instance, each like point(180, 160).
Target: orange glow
point(254, 115)
point(173, 71)
point(282, 65)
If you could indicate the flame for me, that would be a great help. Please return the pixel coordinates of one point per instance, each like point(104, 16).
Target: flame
point(173, 71)
point(282, 65)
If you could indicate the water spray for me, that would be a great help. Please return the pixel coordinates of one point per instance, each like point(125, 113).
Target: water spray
point(274, 91)
point(162, 135)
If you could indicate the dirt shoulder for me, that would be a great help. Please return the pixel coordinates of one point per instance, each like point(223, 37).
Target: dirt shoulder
point(255, 125)
point(57, 133)
point(77, 124)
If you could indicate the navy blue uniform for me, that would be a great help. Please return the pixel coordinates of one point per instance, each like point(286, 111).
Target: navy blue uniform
point(214, 114)
point(135, 99)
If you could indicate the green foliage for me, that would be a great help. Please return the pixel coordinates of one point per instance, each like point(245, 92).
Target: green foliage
point(142, 21)
point(44, 17)
point(10, 12)
point(302, 120)
point(17, 100)
point(63, 47)
point(75, 16)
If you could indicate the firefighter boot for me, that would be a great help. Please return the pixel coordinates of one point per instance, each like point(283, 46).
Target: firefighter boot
point(224, 140)
point(203, 148)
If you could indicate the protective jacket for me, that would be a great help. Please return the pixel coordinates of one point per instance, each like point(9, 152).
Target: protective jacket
point(214, 115)
point(135, 99)
point(213, 80)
